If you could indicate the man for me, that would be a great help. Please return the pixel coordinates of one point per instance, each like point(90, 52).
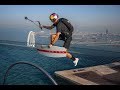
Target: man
point(63, 32)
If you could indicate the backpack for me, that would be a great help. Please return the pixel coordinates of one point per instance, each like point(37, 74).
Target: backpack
point(67, 24)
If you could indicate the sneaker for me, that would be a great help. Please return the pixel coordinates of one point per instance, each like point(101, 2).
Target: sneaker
point(76, 61)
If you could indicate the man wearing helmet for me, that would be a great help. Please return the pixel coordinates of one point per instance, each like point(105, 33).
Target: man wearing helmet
point(62, 33)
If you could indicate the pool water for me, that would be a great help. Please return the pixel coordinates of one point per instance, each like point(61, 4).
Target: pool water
point(27, 75)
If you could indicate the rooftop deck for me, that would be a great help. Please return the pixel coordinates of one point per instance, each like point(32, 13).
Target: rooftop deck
point(108, 74)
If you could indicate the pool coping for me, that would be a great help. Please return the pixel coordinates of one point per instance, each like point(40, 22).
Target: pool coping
point(107, 74)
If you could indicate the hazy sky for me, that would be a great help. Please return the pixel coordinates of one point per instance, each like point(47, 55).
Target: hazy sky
point(85, 18)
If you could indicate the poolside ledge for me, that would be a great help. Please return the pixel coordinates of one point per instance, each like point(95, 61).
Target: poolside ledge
point(108, 74)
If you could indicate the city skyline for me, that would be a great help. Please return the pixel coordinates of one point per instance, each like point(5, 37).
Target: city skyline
point(85, 18)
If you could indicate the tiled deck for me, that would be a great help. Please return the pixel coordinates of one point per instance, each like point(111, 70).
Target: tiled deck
point(108, 74)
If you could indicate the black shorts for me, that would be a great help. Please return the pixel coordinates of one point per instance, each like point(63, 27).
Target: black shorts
point(67, 40)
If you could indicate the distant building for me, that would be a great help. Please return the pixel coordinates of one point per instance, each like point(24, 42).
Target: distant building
point(106, 34)
point(106, 31)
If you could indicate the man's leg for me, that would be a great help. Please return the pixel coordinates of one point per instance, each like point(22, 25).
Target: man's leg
point(75, 60)
point(52, 37)
point(67, 45)
point(69, 55)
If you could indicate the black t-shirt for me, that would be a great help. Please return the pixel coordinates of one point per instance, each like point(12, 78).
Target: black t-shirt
point(61, 27)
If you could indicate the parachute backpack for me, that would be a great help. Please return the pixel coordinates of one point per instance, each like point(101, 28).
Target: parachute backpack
point(67, 24)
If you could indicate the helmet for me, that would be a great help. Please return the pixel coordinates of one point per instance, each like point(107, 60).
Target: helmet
point(53, 17)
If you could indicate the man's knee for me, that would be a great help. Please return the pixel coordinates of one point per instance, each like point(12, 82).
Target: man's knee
point(53, 35)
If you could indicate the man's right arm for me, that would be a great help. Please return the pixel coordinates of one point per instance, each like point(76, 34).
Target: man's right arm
point(48, 27)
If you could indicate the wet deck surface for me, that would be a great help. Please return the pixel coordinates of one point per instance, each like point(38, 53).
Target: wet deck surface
point(108, 74)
